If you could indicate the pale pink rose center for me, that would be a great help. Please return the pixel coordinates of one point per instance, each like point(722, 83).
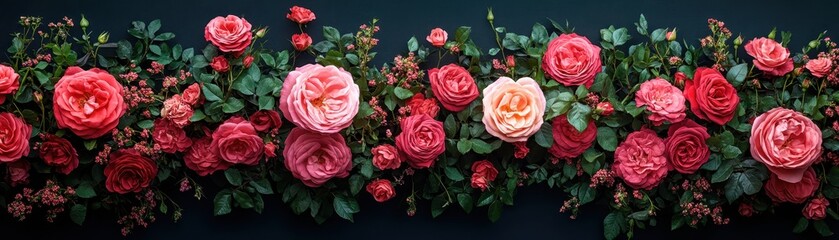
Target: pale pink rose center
point(788, 137)
point(325, 97)
point(320, 163)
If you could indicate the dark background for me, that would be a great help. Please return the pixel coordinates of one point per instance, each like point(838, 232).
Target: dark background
point(535, 215)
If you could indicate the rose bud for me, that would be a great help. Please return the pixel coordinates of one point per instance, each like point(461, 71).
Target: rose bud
point(103, 37)
point(671, 35)
point(84, 23)
point(604, 108)
point(261, 32)
point(738, 41)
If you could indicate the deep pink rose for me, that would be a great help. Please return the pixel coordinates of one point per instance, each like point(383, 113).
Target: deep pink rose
point(315, 158)
point(453, 86)
point(711, 97)
point(483, 173)
point(786, 141)
point(437, 37)
point(169, 136)
point(381, 189)
point(386, 156)
point(9, 82)
point(17, 172)
point(572, 60)
point(177, 110)
point(816, 209)
point(422, 140)
point(421, 105)
point(89, 103)
point(192, 94)
point(686, 147)
point(203, 159)
point(14, 137)
point(247, 61)
point(769, 56)
point(59, 153)
point(513, 110)
point(640, 160)
point(220, 64)
point(568, 142)
point(664, 101)
point(300, 15)
point(236, 142)
point(301, 41)
point(270, 150)
point(819, 67)
point(319, 98)
point(782, 191)
point(230, 34)
point(266, 120)
point(128, 171)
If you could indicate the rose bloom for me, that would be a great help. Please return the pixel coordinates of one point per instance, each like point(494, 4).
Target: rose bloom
point(769, 56)
point(14, 137)
point(568, 142)
point(421, 105)
point(664, 101)
point(386, 156)
point(711, 97)
point(782, 191)
point(321, 99)
point(9, 82)
point(300, 15)
point(572, 60)
point(192, 94)
point(315, 158)
point(745, 210)
point(203, 159)
point(819, 67)
point(169, 136)
point(422, 140)
point(270, 150)
point(128, 171)
point(640, 160)
point(230, 34)
point(381, 189)
point(816, 209)
point(177, 110)
point(483, 173)
point(17, 172)
point(247, 61)
point(453, 86)
point(686, 147)
point(59, 153)
point(680, 78)
point(220, 64)
point(437, 37)
point(265, 120)
point(89, 103)
point(236, 142)
point(785, 141)
point(301, 41)
point(513, 110)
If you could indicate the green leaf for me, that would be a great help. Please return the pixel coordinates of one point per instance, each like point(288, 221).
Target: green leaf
point(345, 207)
point(245, 85)
point(578, 116)
point(658, 35)
point(724, 172)
point(412, 44)
point(243, 199)
point(356, 183)
point(233, 176)
point(331, 34)
point(822, 228)
point(78, 213)
point(451, 126)
point(145, 124)
point(480, 146)
point(539, 33)
point(607, 138)
point(262, 186)
point(737, 74)
point(211, 92)
point(402, 93)
point(620, 36)
point(465, 201)
point(730, 152)
point(464, 145)
point(438, 205)
point(462, 34)
point(266, 102)
point(85, 190)
point(90, 144)
point(802, 225)
point(611, 226)
point(544, 137)
point(494, 212)
point(222, 204)
point(233, 105)
point(454, 174)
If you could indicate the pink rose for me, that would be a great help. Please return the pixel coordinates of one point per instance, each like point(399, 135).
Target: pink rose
point(483, 173)
point(192, 94)
point(769, 56)
point(300, 15)
point(640, 160)
point(711, 97)
point(453, 86)
point(230, 34)
point(315, 158)
point(14, 137)
point(89, 103)
point(203, 159)
point(686, 147)
point(421, 105)
point(381, 189)
point(301, 41)
point(177, 110)
point(59, 153)
point(236, 142)
point(247, 61)
point(568, 142)
point(169, 136)
point(513, 110)
point(9, 82)
point(437, 37)
point(816, 209)
point(785, 141)
point(572, 60)
point(819, 67)
point(128, 171)
point(270, 150)
point(220, 64)
point(385, 156)
point(265, 120)
point(319, 98)
point(422, 140)
point(604, 108)
point(782, 191)
point(18, 172)
point(664, 101)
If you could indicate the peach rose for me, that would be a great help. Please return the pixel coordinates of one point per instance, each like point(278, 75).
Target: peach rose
point(782, 191)
point(785, 141)
point(819, 67)
point(513, 110)
point(386, 156)
point(664, 101)
point(318, 98)
point(14, 137)
point(177, 110)
point(437, 37)
point(453, 86)
point(89, 103)
point(572, 60)
point(202, 158)
point(769, 56)
point(381, 189)
point(315, 158)
point(192, 94)
point(300, 15)
point(230, 34)
point(236, 142)
point(9, 82)
point(640, 160)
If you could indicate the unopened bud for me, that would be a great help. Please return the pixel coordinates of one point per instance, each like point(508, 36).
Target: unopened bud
point(805, 84)
point(604, 108)
point(84, 23)
point(813, 44)
point(38, 96)
point(738, 41)
point(103, 37)
point(261, 32)
point(772, 34)
point(671, 35)
point(490, 17)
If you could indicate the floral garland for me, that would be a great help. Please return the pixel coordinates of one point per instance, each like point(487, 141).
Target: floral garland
point(90, 124)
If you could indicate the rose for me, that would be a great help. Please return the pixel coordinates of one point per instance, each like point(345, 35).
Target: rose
point(89, 103)
point(220, 64)
point(230, 34)
point(270, 150)
point(785, 141)
point(169, 136)
point(453, 86)
point(819, 67)
point(9, 82)
point(319, 98)
point(300, 15)
point(264, 120)
point(513, 110)
point(421, 105)
point(315, 158)
point(664, 101)
point(247, 61)
point(59, 153)
point(521, 150)
point(18, 172)
point(192, 94)
point(422, 140)
point(604, 108)
point(711, 97)
point(640, 160)
point(177, 110)
point(128, 171)
point(381, 189)
point(301, 41)
point(437, 37)
point(769, 56)
point(14, 137)
point(782, 191)
point(816, 209)
point(572, 60)
point(483, 173)
point(386, 156)
point(568, 142)
point(745, 209)
point(203, 159)
point(236, 142)
point(686, 147)
point(679, 79)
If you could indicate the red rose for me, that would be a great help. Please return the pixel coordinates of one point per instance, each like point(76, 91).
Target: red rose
point(679, 79)
point(686, 148)
point(640, 160)
point(422, 140)
point(421, 105)
point(59, 153)
point(782, 191)
point(483, 173)
point(230, 34)
point(521, 150)
point(301, 41)
point(247, 61)
point(128, 171)
point(202, 158)
point(300, 15)
point(220, 64)
point(270, 150)
point(14, 137)
point(745, 210)
point(177, 110)
point(711, 97)
point(236, 142)
point(604, 108)
point(386, 156)
point(18, 172)
point(169, 136)
point(572, 60)
point(381, 189)
point(453, 86)
point(568, 142)
point(192, 94)
point(769, 56)
point(89, 103)
point(9, 82)
point(264, 120)
point(816, 209)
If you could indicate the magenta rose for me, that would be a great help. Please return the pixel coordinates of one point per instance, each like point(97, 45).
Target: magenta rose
point(128, 171)
point(315, 158)
point(169, 136)
point(711, 97)
point(786, 141)
point(568, 142)
point(686, 147)
point(59, 153)
point(236, 142)
point(14, 137)
point(819, 67)
point(9, 82)
point(453, 86)
point(203, 159)
point(386, 156)
point(640, 160)
point(572, 60)
point(782, 191)
point(321, 99)
point(769, 56)
point(422, 140)
point(664, 101)
point(89, 103)
point(230, 34)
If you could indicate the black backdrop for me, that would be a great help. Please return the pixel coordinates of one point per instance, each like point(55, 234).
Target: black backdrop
point(535, 215)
